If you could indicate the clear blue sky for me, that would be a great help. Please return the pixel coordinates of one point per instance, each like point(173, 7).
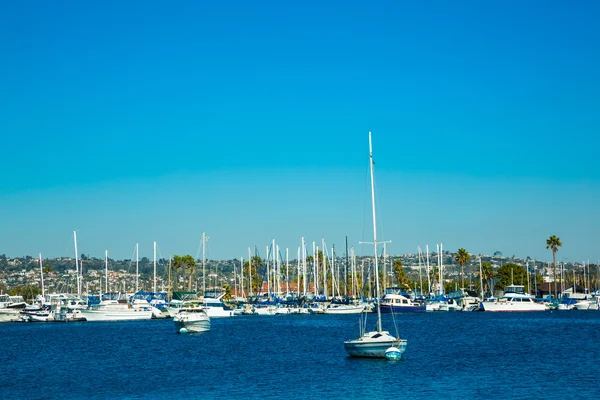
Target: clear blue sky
point(141, 121)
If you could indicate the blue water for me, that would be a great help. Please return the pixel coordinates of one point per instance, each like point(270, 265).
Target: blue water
point(449, 355)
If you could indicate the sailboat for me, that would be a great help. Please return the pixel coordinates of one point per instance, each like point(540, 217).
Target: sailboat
point(375, 343)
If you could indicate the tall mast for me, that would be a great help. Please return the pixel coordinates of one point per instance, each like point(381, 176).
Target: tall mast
point(481, 277)
point(346, 270)
point(379, 329)
point(428, 277)
point(278, 264)
point(268, 275)
point(42, 274)
point(204, 240)
point(442, 268)
point(287, 270)
point(77, 264)
point(304, 266)
point(420, 267)
point(242, 276)
point(334, 275)
point(249, 272)
point(106, 270)
point(137, 273)
point(324, 268)
point(384, 275)
point(154, 267)
point(298, 268)
point(439, 277)
point(528, 288)
point(169, 280)
point(316, 270)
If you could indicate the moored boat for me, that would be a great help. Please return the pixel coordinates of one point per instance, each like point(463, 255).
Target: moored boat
point(115, 307)
point(334, 308)
point(193, 318)
point(397, 303)
point(375, 343)
point(514, 299)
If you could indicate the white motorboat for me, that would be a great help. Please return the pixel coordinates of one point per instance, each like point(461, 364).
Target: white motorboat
point(397, 303)
point(115, 307)
point(215, 308)
point(192, 318)
point(449, 305)
point(514, 299)
point(374, 343)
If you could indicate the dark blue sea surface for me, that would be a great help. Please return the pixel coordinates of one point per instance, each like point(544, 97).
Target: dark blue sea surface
point(549, 355)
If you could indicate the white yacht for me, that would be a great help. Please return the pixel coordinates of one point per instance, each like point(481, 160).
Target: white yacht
point(115, 307)
point(193, 318)
point(514, 299)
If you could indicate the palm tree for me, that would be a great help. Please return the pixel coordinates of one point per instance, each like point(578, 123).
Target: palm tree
point(487, 274)
point(554, 243)
point(400, 274)
point(462, 257)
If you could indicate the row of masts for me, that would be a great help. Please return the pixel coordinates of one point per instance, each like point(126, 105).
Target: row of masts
point(318, 274)
point(321, 274)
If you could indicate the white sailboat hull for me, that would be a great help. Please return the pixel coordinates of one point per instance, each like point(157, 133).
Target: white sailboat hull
point(373, 344)
point(344, 309)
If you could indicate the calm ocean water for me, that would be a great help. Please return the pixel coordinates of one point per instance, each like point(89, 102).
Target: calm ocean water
point(450, 355)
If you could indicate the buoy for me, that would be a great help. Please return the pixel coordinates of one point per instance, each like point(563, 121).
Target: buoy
point(393, 353)
point(183, 330)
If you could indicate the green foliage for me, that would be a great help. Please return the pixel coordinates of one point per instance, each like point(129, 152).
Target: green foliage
point(487, 274)
point(553, 242)
point(185, 263)
point(401, 276)
point(511, 274)
point(29, 292)
point(256, 279)
point(462, 258)
point(227, 295)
